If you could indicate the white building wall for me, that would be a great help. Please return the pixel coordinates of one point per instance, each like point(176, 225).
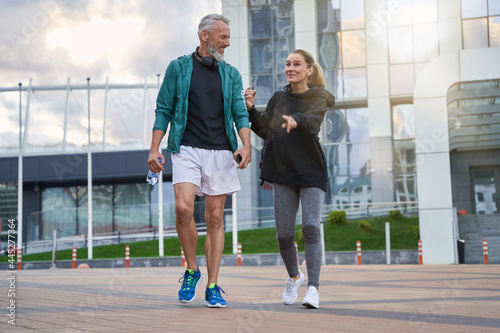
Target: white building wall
point(432, 145)
point(306, 36)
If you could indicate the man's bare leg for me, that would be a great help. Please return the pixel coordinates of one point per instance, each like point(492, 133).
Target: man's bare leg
point(214, 244)
point(184, 221)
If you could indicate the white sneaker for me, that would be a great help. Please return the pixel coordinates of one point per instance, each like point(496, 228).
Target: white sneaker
point(290, 292)
point(311, 300)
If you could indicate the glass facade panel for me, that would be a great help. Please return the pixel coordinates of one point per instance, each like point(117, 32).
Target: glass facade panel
point(401, 12)
point(359, 156)
point(358, 125)
point(131, 206)
point(347, 151)
point(353, 48)
point(281, 48)
point(335, 129)
point(336, 159)
point(474, 8)
point(114, 208)
point(329, 50)
point(475, 33)
point(259, 2)
point(271, 40)
point(426, 43)
point(284, 20)
point(400, 44)
point(59, 212)
point(334, 82)
point(354, 80)
point(401, 79)
point(260, 22)
point(264, 85)
point(494, 28)
point(328, 16)
point(342, 55)
point(352, 14)
point(262, 56)
point(424, 11)
point(403, 121)
point(102, 208)
point(493, 7)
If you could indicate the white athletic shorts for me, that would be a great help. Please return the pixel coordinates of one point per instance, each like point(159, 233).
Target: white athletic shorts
point(213, 171)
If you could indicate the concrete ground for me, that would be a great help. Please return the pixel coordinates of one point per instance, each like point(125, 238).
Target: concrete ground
point(366, 298)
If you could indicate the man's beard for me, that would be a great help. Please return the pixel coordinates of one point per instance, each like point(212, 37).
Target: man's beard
point(213, 51)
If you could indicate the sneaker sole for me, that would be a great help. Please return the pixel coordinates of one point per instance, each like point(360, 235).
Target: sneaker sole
point(217, 305)
point(310, 305)
point(194, 296)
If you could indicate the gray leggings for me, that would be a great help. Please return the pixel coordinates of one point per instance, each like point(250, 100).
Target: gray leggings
point(286, 205)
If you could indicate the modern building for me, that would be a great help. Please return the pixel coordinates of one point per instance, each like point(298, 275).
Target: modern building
point(416, 125)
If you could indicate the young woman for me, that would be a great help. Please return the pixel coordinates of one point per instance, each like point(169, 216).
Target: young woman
point(294, 162)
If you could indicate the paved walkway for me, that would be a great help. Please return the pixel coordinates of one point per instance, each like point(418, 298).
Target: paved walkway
point(368, 298)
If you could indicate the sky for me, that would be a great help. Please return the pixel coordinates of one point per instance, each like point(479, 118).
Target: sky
point(125, 40)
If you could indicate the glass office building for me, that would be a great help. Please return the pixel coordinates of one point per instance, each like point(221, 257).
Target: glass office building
point(415, 126)
point(417, 116)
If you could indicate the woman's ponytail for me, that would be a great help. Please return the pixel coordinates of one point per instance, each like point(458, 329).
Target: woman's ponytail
point(317, 77)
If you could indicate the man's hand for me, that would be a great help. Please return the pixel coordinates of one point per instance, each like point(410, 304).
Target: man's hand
point(246, 156)
point(153, 163)
point(246, 151)
point(154, 152)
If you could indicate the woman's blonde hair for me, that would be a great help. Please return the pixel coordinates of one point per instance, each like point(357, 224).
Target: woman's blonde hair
point(316, 77)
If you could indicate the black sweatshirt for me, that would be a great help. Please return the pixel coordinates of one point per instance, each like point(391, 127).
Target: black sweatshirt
point(297, 157)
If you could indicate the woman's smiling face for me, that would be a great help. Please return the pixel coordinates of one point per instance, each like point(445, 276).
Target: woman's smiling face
point(296, 69)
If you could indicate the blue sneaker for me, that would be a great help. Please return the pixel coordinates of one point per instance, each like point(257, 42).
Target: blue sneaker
point(190, 280)
point(213, 298)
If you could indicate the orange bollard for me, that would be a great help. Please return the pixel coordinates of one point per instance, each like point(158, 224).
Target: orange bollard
point(183, 258)
point(420, 258)
point(239, 254)
point(19, 258)
point(485, 251)
point(74, 257)
point(358, 250)
point(127, 256)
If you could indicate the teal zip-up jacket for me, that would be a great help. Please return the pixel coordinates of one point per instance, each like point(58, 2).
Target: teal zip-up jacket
point(172, 101)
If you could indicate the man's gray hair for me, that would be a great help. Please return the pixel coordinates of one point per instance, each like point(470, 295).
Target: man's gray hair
point(208, 21)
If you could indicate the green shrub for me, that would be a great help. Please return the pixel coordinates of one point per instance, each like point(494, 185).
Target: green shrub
point(395, 214)
point(337, 217)
point(365, 226)
point(416, 230)
point(300, 236)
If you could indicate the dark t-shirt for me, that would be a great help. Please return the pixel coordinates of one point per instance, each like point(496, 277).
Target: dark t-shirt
point(205, 126)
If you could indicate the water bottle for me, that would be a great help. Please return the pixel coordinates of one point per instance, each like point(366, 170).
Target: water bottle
point(152, 177)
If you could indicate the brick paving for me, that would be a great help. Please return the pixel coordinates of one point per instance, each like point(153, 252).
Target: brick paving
point(367, 298)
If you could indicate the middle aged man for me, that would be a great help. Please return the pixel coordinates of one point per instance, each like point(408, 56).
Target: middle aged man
point(201, 97)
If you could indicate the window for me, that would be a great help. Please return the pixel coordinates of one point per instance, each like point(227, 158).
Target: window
point(480, 23)
point(413, 42)
point(405, 176)
point(117, 207)
point(342, 47)
point(347, 151)
point(271, 40)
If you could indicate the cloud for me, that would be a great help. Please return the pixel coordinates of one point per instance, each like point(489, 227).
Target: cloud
point(124, 40)
point(50, 40)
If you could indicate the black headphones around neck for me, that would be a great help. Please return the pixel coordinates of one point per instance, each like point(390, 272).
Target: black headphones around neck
point(207, 61)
